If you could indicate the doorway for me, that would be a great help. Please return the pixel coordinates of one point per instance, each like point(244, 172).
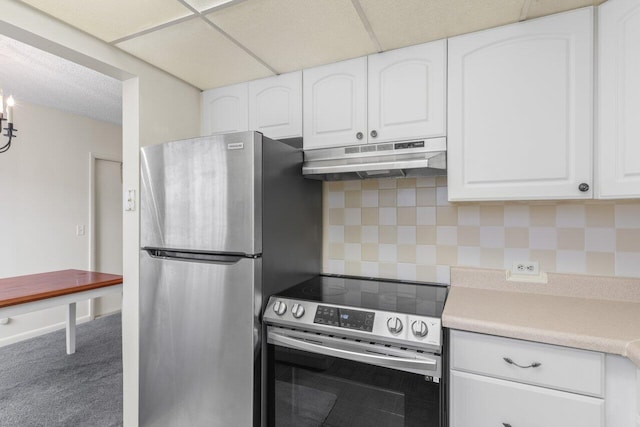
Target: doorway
point(106, 222)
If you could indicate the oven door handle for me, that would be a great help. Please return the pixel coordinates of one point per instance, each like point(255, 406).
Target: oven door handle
point(418, 365)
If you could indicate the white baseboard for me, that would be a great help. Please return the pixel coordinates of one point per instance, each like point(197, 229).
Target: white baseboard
point(40, 331)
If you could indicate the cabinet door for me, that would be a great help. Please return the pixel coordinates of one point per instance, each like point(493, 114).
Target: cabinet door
point(225, 109)
point(481, 401)
point(275, 106)
point(619, 99)
point(335, 104)
point(407, 93)
point(520, 110)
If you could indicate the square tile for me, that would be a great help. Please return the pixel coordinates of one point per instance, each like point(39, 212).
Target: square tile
point(447, 255)
point(571, 239)
point(353, 268)
point(352, 216)
point(388, 183)
point(425, 216)
point(369, 198)
point(388, 234)
point(336, 251)
point(468, 236)
point(543, 237)
point(546, 259)
point(370, 234)
point(370, 216)
point(469, 256)
point(352, 185)
point(601, 263)
point(627, 216)
point(353, 234)
point(517, 216)
point(426, 273)
point(370, 184)
point(336, 199)
point(447, 236)
point(406, 182)
point(370, 252)
point(570, 216)
point(442, 196)
point(336, 233)
point(491, 215)
point(628, 240)
point(571, 262)
point(387, 197)
point(335, 266)
point(406, 235)
point(426, 254)
point(491, 257)
point(387, 253)
point(628, 264)
point(407, 216)
point(370, 269)
point(406, 271)
point(447, 215)
point(426, 197)
point(336, 216)
point(407, 253)
point(426, 234)
point(388, 216)
point(513, 255)
point(600, 215)
point(426, 181)
point(388, 270)
point(443, 274)
point(516, 237)
point(468, 215)
point(406, 197)
point(353, 199)
point(543, 215)
point(492, 237)
point(600, 239)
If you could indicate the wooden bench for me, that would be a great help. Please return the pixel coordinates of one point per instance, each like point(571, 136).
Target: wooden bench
point(24, 294)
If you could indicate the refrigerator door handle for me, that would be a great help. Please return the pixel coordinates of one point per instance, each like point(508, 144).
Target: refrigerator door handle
point(227, 259)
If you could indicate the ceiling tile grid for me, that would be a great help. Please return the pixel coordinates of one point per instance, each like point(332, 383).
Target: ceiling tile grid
point(212, 43)
point(197, 53)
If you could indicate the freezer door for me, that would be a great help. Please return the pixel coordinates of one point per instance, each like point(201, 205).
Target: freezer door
point(203, 194)
point(199, 341)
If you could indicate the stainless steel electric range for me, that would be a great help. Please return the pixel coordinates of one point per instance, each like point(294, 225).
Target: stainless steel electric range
point(350, 351)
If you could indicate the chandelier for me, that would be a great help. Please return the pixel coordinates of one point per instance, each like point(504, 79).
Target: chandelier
point(10, 129)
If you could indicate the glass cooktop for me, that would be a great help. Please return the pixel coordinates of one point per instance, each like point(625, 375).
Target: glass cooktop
point(423, 299)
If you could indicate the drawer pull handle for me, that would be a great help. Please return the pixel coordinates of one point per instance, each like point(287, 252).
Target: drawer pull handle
point(511, 362)
point(506, 424)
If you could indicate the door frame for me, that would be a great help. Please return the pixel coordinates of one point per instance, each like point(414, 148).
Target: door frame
point(93, 158)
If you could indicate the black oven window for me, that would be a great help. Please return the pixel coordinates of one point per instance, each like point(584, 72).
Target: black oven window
point(315, 390)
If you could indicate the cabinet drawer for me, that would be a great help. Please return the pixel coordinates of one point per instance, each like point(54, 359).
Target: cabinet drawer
point(488, 402)
point(562, 368)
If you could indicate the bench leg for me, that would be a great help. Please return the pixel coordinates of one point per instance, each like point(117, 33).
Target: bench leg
point(71, 328)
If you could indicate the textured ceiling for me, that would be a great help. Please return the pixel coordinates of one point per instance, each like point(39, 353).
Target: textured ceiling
point(212, 43)
point(37, 77)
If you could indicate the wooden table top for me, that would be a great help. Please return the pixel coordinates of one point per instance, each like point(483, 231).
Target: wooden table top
point(35, 287)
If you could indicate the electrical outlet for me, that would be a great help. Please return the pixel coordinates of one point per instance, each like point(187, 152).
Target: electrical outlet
point(529, 268)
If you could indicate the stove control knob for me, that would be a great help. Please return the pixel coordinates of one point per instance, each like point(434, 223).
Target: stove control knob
point(419, 329)
point(394, 325)
point(297, 310)
point(279, 308)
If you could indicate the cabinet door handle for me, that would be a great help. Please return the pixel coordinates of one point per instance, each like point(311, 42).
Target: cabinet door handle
point(584, 187)
point(506, 424)
point(359, 135)
point(511, 362)
point(374, 133)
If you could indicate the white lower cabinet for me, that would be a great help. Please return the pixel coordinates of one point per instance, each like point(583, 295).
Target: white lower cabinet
point(480, 401)
point(504, 382)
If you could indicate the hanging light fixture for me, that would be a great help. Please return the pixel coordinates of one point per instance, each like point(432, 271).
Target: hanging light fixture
point(10, 129)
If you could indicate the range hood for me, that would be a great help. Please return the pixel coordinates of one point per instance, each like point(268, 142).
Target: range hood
point(426, 157)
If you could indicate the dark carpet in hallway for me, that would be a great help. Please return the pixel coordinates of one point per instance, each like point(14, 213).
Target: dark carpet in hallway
point(40, 385)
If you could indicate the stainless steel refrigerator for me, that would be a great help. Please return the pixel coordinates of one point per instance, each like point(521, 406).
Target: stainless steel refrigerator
point(226, 221)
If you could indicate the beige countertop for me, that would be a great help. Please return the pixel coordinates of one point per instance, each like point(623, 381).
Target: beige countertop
point(586, 312)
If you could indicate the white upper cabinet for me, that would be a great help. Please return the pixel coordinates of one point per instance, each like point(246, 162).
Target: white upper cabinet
point(335, 104)
point(407, 93)
point(520, 115)
point(618, 147)
point(225, 109)
point(275, 105)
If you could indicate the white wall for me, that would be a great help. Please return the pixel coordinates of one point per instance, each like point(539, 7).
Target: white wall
point(44, 194)
point(156, 107)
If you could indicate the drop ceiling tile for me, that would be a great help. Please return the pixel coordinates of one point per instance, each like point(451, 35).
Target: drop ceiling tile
point(113, 19)
point(291, 35)
point(408, 22)
point(197, 53)
point(539, 8)
point(202, 5)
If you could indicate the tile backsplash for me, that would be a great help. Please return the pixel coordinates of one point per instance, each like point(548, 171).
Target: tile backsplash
point(406, 229)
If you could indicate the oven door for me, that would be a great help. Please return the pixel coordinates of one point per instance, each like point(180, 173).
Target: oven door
point(318, 380)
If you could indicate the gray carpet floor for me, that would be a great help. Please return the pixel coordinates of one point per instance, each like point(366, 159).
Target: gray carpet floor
point(40, 385)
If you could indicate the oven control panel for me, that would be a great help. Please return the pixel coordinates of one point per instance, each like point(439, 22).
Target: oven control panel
point(344, 318)
point(373, 325)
